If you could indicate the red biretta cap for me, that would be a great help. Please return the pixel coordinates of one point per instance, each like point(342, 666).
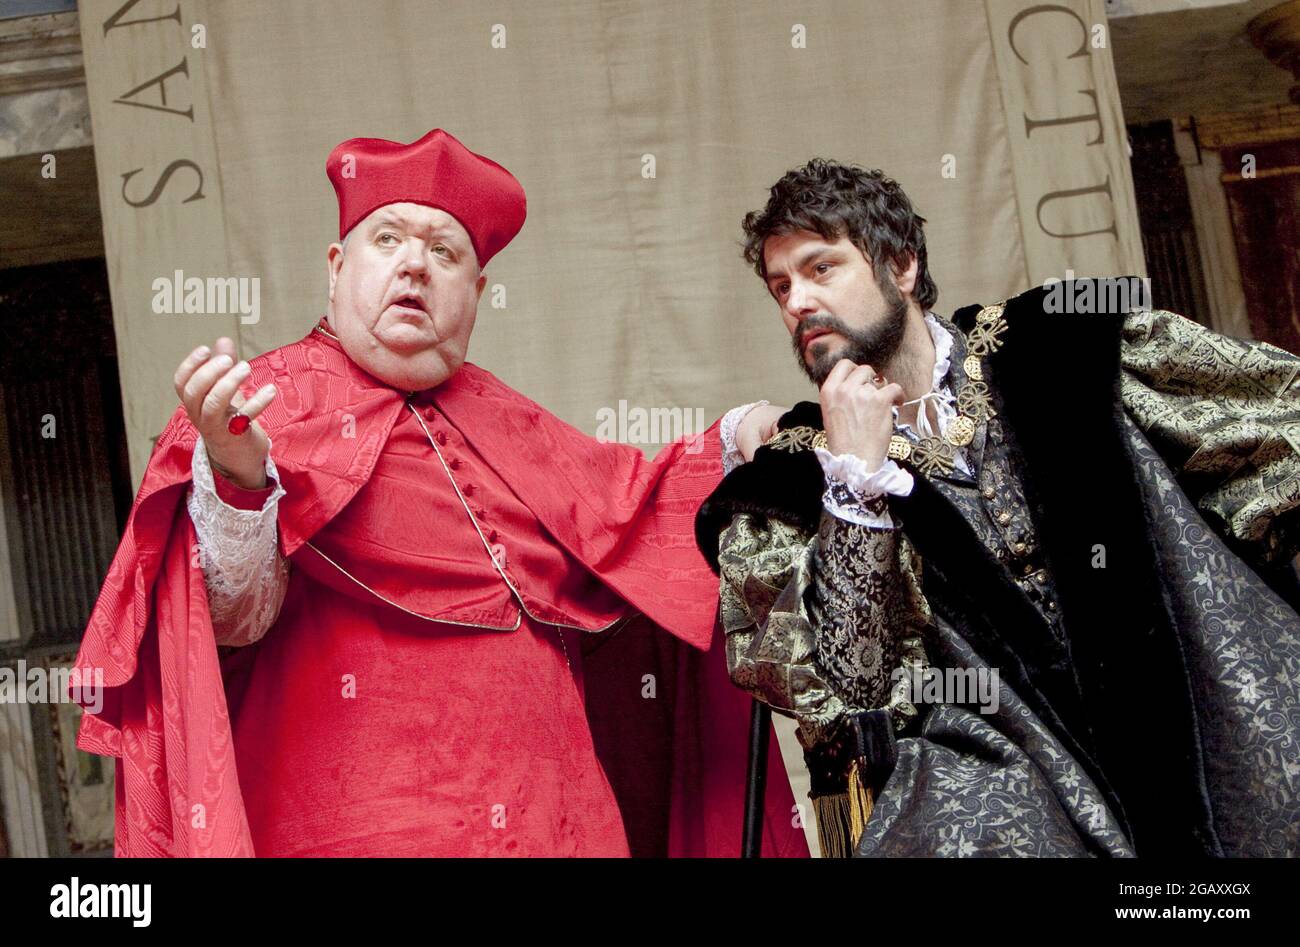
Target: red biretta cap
point(438, 171)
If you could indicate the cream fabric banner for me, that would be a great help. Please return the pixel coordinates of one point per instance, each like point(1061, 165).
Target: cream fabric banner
point(642, 133)
point(159, 194)
point(1068, 143)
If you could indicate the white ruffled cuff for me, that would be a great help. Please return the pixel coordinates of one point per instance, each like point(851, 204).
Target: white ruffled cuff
point(205, 484)
point(731, 455)
point(852, 470)
point(856, 494)
point(245, 575)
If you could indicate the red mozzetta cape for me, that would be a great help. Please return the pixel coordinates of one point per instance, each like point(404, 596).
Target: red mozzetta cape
point(627, 520)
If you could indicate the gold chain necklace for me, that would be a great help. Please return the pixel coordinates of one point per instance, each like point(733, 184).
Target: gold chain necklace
point(974, 406)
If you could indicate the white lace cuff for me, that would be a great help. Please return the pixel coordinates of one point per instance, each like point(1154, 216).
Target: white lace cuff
point(731, 456)
point(243, 570)
point(856, 494)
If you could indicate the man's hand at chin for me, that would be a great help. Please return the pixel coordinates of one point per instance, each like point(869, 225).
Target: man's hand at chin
point(857, 409)
point(756, 427)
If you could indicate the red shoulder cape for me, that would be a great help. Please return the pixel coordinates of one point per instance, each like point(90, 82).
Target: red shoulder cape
point(627, 519)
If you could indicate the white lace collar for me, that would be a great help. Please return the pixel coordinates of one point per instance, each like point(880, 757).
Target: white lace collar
point(942, 339)
point(943, 396)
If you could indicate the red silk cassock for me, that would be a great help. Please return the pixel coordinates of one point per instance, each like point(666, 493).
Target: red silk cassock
point(452, 589)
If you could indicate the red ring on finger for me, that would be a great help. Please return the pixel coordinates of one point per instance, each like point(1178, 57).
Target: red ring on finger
point(238, 424)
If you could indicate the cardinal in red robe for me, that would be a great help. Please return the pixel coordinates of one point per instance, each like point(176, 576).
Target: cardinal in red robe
point(467, 628)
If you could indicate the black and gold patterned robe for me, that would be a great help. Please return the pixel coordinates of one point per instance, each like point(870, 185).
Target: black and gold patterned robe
point(1122, 556)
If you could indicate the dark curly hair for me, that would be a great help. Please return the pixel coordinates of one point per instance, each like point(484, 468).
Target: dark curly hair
point(837, 200)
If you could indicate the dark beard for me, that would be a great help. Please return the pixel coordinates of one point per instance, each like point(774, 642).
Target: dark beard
point(875, 346)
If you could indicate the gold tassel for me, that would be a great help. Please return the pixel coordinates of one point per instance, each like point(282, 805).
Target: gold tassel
point(842, 817)
point(860, 803)
point(833, 825)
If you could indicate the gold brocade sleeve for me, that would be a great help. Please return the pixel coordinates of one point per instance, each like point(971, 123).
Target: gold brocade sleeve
point(1225, 415)
point(816, 626)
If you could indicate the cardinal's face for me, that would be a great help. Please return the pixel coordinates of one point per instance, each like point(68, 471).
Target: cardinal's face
point(404, 294)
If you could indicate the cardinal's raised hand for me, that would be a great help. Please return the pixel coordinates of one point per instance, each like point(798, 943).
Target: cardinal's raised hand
point(207, 383)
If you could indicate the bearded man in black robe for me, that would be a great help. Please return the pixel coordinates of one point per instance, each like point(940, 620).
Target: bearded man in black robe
point(1083, 509)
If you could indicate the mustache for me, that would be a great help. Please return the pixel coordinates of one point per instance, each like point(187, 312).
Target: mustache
point(819, 323)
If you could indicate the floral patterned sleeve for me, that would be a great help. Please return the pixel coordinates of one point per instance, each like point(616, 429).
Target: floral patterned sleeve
point(1225, 415)
point(816, 626)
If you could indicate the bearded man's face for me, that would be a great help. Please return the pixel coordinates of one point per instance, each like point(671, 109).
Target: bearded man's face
point(831, 302)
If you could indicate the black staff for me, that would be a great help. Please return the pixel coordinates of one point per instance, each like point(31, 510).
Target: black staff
point(760, 726)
